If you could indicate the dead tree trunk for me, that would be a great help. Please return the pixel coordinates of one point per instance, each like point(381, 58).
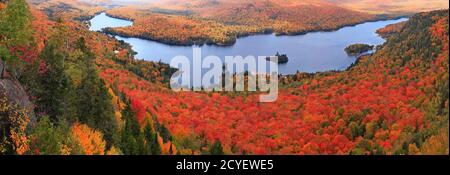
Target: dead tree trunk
point(2, 69)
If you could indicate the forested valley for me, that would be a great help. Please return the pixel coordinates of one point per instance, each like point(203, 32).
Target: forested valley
point(65, 90)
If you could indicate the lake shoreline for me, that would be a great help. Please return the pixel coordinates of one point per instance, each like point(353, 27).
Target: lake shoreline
point(304, 60)
point(110, 31)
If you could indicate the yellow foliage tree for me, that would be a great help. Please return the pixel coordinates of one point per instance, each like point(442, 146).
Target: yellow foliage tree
point(113, 151)
point(18, 120)
point(18, 133)
point(436, 145)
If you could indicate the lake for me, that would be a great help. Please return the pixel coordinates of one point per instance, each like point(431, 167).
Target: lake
point(102, 21)
point(311, 52)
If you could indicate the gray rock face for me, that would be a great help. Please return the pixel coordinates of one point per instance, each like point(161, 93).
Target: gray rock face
point(15, 93)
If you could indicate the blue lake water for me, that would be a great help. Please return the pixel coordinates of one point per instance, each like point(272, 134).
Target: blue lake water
point(311, 52)
point(102, 21)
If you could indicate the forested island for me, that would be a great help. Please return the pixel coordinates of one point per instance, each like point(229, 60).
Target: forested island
point(282, 58)
point(357, 49)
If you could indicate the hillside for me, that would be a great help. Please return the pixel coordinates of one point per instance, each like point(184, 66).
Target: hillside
point(390, 30)
point(221, 22)
point(76, 9)
point(53, 61)
point(392, 6)
point(90, 96)
point(394, 102)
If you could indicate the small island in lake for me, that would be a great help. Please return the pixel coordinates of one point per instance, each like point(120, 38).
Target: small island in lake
point(282, 58)
point(356, 49)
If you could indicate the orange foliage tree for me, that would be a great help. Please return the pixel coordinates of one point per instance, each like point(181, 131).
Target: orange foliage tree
point(91, 141)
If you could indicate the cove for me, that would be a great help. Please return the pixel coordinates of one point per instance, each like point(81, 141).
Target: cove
point(311, 52)
point(101, 21)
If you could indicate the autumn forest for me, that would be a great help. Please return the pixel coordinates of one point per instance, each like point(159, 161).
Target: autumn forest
point(67, 90)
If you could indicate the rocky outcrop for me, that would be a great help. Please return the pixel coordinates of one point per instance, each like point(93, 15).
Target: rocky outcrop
point(15, 93)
